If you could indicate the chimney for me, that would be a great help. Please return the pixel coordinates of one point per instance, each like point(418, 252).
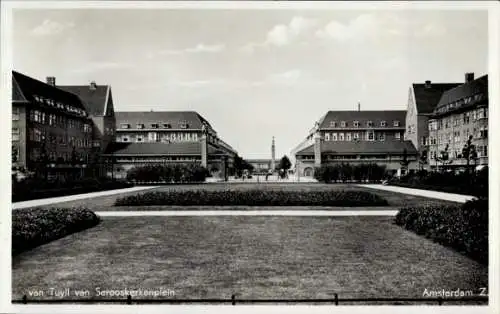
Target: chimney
point(359, 106)
point(427, 84)
point(469, 77)
point(93, 85)
point(51, 80)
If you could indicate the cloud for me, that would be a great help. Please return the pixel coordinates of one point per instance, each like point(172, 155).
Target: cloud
point(49, 27)
point(288, 76)
point(362, 27)
point(200, 48)
point(431, 30)
point(283, 34)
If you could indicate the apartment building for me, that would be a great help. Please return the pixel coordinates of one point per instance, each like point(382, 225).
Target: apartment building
point(461, 112)
point(52, 132)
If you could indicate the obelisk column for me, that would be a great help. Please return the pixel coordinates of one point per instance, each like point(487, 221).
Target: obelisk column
point(273, 156)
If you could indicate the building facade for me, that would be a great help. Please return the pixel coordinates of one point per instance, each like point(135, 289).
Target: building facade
point(356, 137)
point(98, 101)
point(260, 166)
point(171, 137)
point(422, 100)
point(461, 113)
point(52, 132)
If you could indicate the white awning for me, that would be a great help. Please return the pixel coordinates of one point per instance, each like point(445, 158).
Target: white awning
point(480, 167)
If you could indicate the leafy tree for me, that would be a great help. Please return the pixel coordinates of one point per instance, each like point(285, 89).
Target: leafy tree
point(422, 160)
point(15, 154)
point(285, 163)
point(444, 156)
point(469, 153)
point(405, 162)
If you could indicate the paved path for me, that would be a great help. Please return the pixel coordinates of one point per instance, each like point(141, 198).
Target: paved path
point(339, 213)
point(55, 200)
point(426, 193)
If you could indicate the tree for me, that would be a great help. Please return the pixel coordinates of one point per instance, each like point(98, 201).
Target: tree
point(285, 163)
point(469, 152)
point(404, 161)
point(422, 160)
point(444, 156)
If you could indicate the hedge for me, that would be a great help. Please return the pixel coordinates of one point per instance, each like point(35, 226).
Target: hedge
point(168, 173)
point(31, 188)
point(254, 198)
point(464, 228)
point(345, 172)
point(475, 184)
point(32, 227)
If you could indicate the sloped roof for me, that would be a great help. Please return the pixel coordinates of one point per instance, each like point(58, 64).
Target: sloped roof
point(25, 88)
point(427, 97)
point(93, 99)
point(364, 147)
point(363, 116)
point(148, 149)
point(174, 118)
point(477, 86)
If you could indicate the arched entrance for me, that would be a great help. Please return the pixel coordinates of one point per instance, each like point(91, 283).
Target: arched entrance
point(308, 172)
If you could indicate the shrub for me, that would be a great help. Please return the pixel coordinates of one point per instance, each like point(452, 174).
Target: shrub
point(254, 198)
point(168, 173)
point(475, 184)
point(32, 227)
point(464, 228)
point(345, 172)
point(37, 188)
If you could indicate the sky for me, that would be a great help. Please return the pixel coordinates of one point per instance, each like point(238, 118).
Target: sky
point(253, 74)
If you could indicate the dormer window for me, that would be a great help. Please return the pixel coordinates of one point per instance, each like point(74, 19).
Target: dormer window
point(184, 125)
point(140, 126)
point(124, 126)
point(154, 125)
point(396, 123)
point(343, 124)
point(333, 124)
point(356, 124)
point(167, 125)
point(369, 124)
point(383, 123)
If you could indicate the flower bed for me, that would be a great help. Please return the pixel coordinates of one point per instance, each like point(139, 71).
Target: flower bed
point(254, 198)
point(32, 227)
point(464, 228)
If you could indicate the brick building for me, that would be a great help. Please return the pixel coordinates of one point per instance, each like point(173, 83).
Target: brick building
point(461, 112)
point(356, 137)
point(52, 132)
point(168, 137)
point(422, 100)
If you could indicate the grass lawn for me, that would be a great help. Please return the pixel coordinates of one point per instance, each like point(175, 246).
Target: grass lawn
point(252, 257)
point(396, 200)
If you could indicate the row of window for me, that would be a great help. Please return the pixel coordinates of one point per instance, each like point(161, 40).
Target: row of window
point(482, 151)
point(459, 119)
point(368, 136)
point(355, 157)
point(458, 136)
point(163, 159)
point(356, 124)
point(183, 125)
point(59, 105)
point(59, 121)
point(59, 157)
point(461, 102)
point(155, 137)
point(40, 135)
